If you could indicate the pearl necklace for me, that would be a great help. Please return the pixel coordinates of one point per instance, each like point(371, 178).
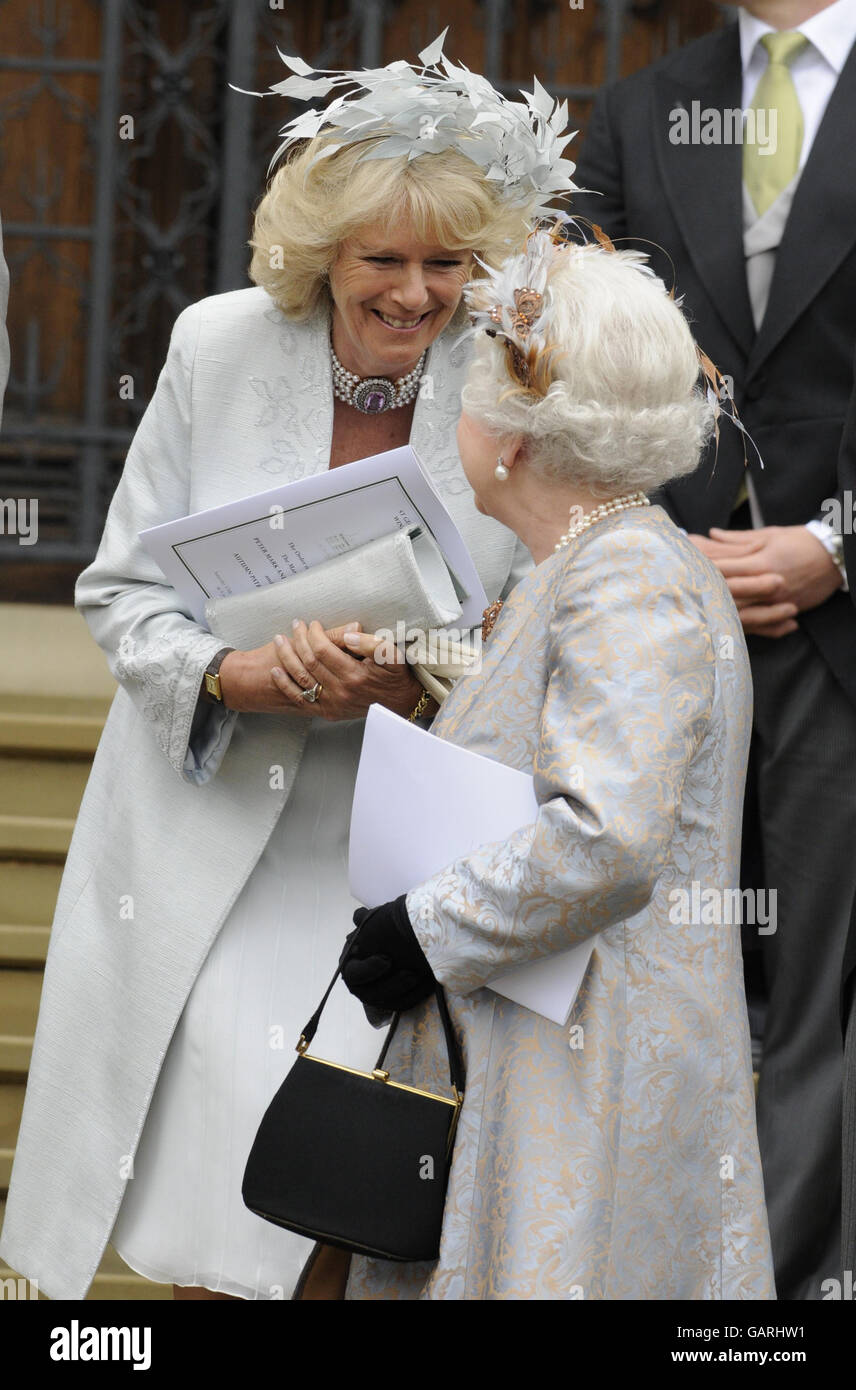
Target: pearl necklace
point(606, 509)
point(373, 394)
point(616, 504)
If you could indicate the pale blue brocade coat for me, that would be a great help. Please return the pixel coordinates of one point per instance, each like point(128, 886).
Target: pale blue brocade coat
point(625, 1166)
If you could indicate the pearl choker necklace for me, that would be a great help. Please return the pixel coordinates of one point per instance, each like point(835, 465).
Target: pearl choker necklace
point(617, 504)
point(373, 394)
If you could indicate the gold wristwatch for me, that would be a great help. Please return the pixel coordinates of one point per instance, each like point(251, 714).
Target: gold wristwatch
point(211, 680)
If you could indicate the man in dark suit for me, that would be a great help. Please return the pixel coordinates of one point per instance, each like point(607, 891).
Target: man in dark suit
point(759, 236)
point(847, 483)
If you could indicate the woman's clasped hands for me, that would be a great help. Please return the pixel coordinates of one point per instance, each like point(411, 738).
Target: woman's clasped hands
point(353, 669)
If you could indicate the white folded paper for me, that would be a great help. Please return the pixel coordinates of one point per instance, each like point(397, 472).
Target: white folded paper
point(420, 803)
point(264, 539)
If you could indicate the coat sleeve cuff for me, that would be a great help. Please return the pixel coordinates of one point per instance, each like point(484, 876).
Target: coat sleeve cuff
point(164, 677)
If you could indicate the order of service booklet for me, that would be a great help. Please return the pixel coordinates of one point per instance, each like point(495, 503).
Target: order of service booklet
point(273, 535)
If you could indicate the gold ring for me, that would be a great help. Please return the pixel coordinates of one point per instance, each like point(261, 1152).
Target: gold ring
point(310, 696)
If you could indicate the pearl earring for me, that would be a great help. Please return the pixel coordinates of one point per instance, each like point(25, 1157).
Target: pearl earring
point(500, 472)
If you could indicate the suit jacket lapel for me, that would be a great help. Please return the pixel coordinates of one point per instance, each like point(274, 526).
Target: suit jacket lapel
point(821, 227)
point(703, 183)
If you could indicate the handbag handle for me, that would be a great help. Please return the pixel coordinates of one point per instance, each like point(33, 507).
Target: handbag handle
point(456, 1063)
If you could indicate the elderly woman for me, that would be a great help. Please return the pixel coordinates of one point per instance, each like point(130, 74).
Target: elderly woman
point(206, 879)
point(615, 1158)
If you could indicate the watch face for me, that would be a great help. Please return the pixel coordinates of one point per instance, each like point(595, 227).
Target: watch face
point(212, 685)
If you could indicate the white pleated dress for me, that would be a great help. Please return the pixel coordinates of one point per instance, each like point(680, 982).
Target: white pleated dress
point(182, 1220)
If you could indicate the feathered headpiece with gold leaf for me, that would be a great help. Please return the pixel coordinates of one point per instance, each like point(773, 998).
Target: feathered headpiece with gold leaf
point(513, 303)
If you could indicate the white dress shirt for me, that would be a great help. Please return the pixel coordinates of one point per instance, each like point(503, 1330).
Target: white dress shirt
point(815, 71)
point(831, 34)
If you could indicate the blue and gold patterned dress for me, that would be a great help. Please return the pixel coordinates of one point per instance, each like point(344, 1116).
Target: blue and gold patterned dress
point(615, 1157)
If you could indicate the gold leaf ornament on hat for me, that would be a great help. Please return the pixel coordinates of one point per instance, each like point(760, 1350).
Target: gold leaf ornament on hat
point(512, 302)
point(527, 305)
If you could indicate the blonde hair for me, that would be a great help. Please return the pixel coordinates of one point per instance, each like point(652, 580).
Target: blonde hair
point(307, 212)
point(622, 411)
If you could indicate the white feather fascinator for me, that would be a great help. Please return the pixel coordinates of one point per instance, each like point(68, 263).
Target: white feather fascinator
point(405, 110)
point(513, 303)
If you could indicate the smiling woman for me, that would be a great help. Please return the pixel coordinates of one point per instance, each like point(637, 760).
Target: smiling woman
point(226, 816)
point(316, 207)
point(392, 295)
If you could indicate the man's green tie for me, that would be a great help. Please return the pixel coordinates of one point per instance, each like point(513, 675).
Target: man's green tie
point(766, 175)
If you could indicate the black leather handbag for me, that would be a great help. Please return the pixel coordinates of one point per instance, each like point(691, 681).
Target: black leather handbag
point(354, 1159)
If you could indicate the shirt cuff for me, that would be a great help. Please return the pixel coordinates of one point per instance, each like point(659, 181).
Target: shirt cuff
point(831, 541)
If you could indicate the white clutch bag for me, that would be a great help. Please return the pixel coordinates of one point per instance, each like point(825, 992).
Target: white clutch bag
point(400, 578)
point(438, 665)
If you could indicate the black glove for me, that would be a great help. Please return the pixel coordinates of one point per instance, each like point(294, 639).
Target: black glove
point(383, 963)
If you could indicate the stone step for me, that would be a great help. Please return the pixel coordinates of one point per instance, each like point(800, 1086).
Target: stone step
point(19, 1006)
point(11, 1104)
point(23, 944)
point(41, 787)
point(28, 892)
point(74, 734)
point(57, 691)
point(51, 717)
point(35, 837)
